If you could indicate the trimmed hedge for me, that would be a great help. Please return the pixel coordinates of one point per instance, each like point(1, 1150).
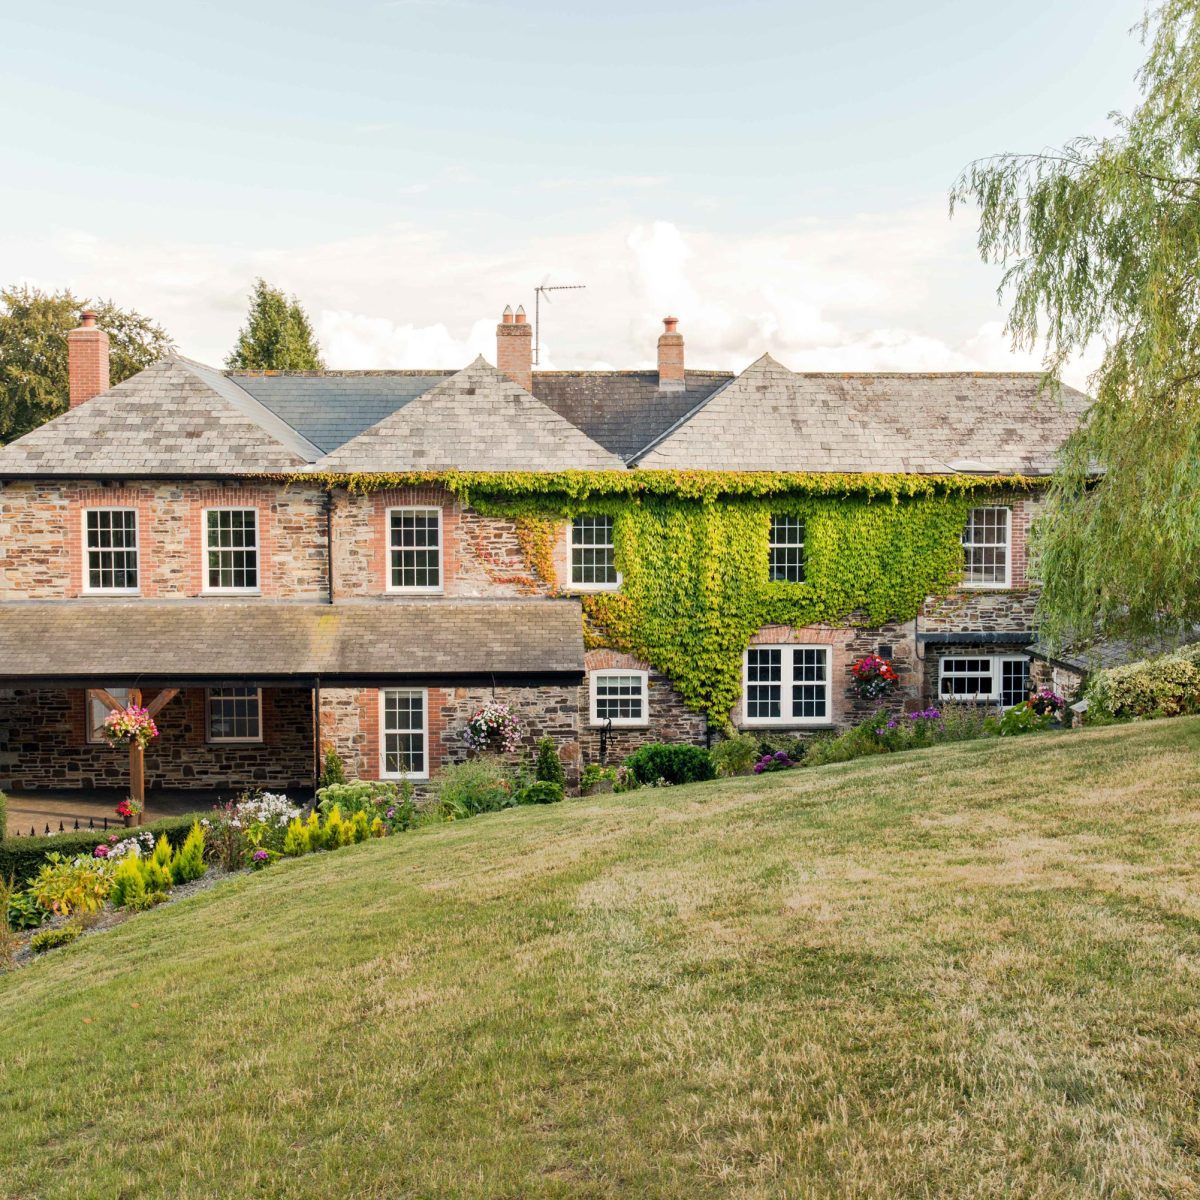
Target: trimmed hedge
point(674, 763)
point(20, 858)
point(1168, 686)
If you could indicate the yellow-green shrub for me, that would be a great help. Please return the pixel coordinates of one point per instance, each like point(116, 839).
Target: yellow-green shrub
point(1167, 686)
point(297, 840)
point(128, 885)
point(188, 861)
point(360, 826)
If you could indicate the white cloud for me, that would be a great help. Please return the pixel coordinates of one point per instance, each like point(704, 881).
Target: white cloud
point(893, 291)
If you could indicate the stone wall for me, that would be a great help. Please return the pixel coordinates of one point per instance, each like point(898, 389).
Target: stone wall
point(42, 544)
point(47, 746)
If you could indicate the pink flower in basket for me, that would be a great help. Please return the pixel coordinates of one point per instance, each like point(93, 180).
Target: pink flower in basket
point(124, 726)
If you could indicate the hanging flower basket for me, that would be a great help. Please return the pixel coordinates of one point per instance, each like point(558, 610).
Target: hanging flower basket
point(129, 726)
point(874, 677)
point(493, 727)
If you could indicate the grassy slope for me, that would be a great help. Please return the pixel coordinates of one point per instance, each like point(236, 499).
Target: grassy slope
point(968, 972)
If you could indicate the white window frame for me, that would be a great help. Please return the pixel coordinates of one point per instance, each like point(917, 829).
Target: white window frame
point(590, 587)
point(993, 585)
point(206, 587)
point(225, 741)
point(773, 545)
point(619, 722)
point(384, 773)
point(424, 589)
point(87, 550)
point(995, 670)
point(93, 736)
point(786, 665)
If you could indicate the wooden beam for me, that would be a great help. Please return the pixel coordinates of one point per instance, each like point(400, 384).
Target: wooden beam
point(161, 700)
point(106, 699)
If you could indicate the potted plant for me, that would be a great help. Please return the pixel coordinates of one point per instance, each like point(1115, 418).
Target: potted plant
point(131, 811)
point(127, 726)
point(493, 727)
point(874, 677)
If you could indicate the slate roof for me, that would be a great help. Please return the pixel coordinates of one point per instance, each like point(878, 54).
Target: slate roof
point(370, 642)
point(331, 407)
point(623, 410)
point(1113, 653)
point(477, 420)
point(773, 419)
point(174, 418)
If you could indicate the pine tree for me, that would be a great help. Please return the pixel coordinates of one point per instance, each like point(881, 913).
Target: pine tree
point(33, 351)
point(1101, 242)
point(277, 335)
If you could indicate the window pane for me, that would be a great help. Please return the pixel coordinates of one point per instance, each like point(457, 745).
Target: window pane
point(985, 545)
point(416, 548)
point(809, 683)
point(403, 733)
point(234, 715)
point(593, 560)
point(1014, 681)
point(786, 548)
point(112, 548)
point(764, 683)
point(232, 548)
point(967, 679)
point(619, 697)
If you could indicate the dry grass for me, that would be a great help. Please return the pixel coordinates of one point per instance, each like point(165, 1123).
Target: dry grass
point(969, 972)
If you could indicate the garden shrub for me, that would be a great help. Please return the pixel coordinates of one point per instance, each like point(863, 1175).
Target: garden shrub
point(671, 764)
point(297, 841)
point(22, 909)
point(1167, 686)
point(476, 786)
point(49, 938)
point(361, 826)
point(21, 857)
point(541, 791)
point(735, 755)
point(128, 883)
point(549, 768)
point(66, 885)
point(333, 770)
point(187, 863)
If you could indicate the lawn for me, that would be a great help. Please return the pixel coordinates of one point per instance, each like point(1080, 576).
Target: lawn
point(971, 971)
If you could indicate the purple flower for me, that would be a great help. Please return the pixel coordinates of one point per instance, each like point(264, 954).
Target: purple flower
point(781, 756)
point(261, 856)
point(391, 812)
point(758, 768)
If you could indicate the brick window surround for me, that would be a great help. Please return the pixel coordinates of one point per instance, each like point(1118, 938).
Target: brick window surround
point(381, 537)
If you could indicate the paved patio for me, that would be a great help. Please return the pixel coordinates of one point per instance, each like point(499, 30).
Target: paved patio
point(28, 811)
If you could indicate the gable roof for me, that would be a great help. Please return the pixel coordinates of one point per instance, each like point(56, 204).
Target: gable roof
point(623, 410)
point(331, 407)
point(176, 417)
point(477, 420)
point(773, 419)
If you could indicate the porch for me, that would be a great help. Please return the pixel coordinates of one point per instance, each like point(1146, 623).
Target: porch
point(35, 813)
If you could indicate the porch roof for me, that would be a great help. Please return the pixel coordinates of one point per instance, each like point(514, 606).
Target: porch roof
point(144, 643)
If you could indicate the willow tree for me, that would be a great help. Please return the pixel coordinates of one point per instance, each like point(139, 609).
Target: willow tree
point(1101, 243)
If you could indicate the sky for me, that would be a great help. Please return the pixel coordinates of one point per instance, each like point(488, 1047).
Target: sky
point(773, 172)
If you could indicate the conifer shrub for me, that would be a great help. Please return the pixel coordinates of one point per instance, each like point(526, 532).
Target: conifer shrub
point(47, 939)
point(548, 768)
point(187, 863)
point(297, 841)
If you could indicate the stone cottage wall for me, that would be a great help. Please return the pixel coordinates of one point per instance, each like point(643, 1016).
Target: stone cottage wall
point(47, 746)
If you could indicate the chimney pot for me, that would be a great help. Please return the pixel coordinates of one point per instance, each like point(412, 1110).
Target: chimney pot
point(87, 360)
point(514, 348)
point(670, 357)
point(507, 316)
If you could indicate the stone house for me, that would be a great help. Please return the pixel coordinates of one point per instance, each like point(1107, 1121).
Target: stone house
point(202, 530)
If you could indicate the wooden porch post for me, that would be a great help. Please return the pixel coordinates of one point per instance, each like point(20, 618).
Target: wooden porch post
point(137, 756)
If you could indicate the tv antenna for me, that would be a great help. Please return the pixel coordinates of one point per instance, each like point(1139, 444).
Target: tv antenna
point(538, 292)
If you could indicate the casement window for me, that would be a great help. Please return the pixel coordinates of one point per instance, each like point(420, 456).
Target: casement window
point(984, 679)
point(415, 542)
point(787, 685)
point(404, 729)
point(621, 697)
point(234, 714)
point(987, 547)
point(97, 711)
point(786, 549)
point(111, 550)
point(231, 550)
point(593, 555)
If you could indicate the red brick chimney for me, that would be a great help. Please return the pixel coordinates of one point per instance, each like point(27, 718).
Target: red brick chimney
point(514, 348)
point(87, 360)
point(670, 357)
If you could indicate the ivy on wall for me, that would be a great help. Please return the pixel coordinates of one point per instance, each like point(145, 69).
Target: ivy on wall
point(692, 549)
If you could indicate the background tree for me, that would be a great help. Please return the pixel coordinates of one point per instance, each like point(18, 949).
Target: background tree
point(33, 351)
point(277, 335)
point(1101, 241)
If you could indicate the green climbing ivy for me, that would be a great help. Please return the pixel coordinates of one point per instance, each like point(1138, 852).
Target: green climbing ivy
point(692, 549)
